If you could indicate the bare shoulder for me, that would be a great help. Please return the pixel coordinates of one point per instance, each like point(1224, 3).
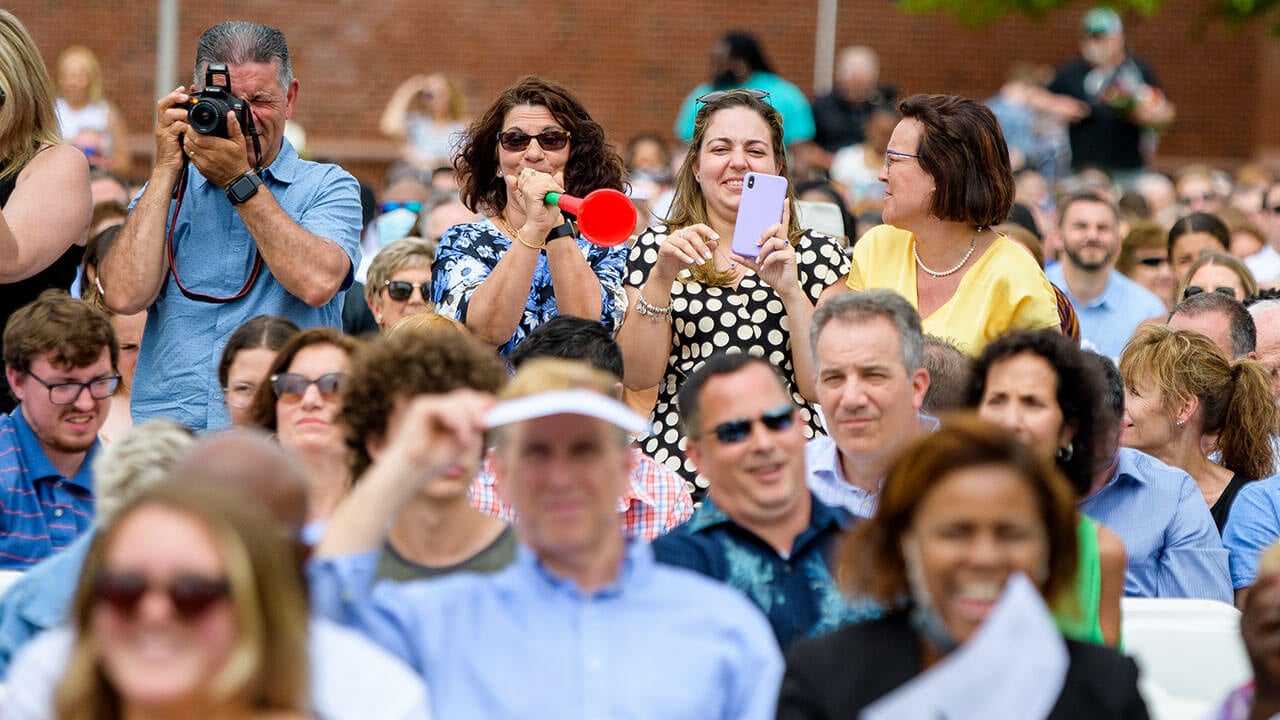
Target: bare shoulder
point(1111, 548)
point(55, 160)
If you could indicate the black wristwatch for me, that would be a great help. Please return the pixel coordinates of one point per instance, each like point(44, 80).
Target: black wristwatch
point(244, 187)
point(564, 229)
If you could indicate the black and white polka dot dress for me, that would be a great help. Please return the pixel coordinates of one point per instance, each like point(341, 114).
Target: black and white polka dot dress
point(707, 319)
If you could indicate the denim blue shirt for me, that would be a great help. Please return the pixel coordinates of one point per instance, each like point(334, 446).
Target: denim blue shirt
point(1253, 526)
point(468, 253)
point(39, 600)
point(797, 591)
point(1157, 510)
point(177, 374)
point(660, 642)
point(1111, 318)
point(42, 511)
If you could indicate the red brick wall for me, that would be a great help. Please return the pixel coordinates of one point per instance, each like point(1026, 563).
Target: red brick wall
point(632, 62)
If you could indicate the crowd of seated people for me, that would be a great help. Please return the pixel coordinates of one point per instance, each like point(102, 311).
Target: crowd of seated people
point(434, 452)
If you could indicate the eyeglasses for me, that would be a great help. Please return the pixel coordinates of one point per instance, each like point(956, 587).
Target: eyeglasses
point(190, 596)
point(66, 393)
point(290, 387)
point(733, 431)
point(1196, 290)
point(888, 154)
point(517, 140)
point(412, 206)
point(239, 395)
point(715, 95)
point(1153, 262)
point(402, 290)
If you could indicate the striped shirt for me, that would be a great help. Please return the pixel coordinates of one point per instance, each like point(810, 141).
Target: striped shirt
point(656, 499)
point(41, 510)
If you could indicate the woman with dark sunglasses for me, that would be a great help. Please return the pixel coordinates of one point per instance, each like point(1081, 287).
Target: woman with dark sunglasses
point(690, 296)
point(1144, 259)
point(1219, 272)
point(190, 605)
point(526, 262)
point(301, 402)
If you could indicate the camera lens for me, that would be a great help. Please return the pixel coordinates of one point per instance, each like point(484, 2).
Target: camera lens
point(205, 116)
point(751, 182)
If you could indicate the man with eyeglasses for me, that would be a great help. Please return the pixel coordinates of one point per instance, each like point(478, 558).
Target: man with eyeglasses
point(868, 354)
point(1110, 305)
point(760, 529)
point(232, 224)
point(61, 357)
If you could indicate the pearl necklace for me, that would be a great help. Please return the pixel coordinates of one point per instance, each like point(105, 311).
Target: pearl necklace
point(973, 245)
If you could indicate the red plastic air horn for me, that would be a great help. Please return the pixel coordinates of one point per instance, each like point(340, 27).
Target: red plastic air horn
point(606, 217)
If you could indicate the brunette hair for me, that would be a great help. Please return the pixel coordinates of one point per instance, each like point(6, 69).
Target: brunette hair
point(1143, 235)
point(267, 331)
point(71, 331)
point(871, 560)
point(263, 411)
point(1200, 222)
point(689, 206)
point(1226, 260)
point(593, 163)
point(963, 149)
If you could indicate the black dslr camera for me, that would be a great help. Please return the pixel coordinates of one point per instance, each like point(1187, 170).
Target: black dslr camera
point(208, 112)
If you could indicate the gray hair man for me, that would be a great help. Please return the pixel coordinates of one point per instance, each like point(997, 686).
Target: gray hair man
point(255, 229)
point(868, 353)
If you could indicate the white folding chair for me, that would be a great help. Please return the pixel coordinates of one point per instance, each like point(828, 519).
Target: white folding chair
point(1189, 652)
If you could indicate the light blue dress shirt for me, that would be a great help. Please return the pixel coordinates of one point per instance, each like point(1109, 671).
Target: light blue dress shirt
point(661, 642)
point(1173, 546)
point(177, 376)
point(1111, 318)
point(1252, 526)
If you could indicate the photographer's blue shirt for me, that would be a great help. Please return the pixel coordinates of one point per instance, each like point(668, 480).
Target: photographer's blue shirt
point(177, 377)
point(42, 511)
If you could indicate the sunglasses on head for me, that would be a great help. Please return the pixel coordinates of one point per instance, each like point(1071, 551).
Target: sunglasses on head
point(1153, 262)
point(732, 431)
point(190, 596)
point(1196, 290)
point(412, 206)
point(517, 140)
point(401, 290)
point(290, 387)
point(715, 95)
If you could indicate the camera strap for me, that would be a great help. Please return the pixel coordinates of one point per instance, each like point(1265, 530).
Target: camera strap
point(179, 191)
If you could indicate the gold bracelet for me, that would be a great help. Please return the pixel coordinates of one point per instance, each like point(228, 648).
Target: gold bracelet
point(522, 241)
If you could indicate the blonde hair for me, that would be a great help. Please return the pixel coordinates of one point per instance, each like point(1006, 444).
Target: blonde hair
point(95, 70)
point(27, 119)
point(141, 459)
point(407, 252)
point(267, 668)
point(1226, 260)
point(1235, 397)
point(426, 322)
point(689, 206)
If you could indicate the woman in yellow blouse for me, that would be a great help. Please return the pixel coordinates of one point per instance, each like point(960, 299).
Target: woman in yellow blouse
point(948, 181)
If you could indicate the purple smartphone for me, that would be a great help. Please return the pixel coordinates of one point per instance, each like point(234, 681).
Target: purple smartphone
point(763, 197)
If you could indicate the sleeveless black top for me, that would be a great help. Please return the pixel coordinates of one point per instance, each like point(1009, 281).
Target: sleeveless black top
point(14, 295)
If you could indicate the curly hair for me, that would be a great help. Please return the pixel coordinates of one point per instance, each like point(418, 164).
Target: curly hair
point(963, 149)
point(1235, 397)
point(689, 205)
point(401, 364)
point(593, 163)
point(871, 560)
point(1079, 392)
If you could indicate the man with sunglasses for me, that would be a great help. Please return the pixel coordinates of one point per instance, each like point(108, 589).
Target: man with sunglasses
point(60, 359)
point(760, 529)
point(1110, 305)
point(583, 623)
point(868, 353)
point(231, 225)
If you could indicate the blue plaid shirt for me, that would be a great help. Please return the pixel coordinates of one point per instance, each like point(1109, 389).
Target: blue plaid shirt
point(41, 510)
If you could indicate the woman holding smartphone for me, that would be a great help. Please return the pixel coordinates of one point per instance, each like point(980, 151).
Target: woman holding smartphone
point(690, 293)
point(948, 182)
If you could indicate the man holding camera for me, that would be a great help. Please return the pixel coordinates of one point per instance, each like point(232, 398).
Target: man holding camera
point(232, 224)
